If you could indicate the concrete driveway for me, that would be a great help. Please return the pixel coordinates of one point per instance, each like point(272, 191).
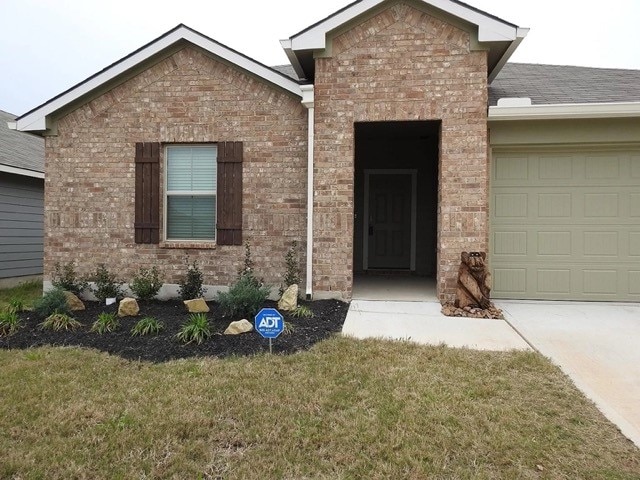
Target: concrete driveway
point(596, 344)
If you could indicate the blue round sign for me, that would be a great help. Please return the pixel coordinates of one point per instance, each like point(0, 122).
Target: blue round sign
point(269, 322)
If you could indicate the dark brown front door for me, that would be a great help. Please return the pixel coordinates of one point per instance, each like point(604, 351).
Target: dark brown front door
point(389, 232)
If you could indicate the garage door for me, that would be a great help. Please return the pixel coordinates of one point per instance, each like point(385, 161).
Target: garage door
point(565, 225)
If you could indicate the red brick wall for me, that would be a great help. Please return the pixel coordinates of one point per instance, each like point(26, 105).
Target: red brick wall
point(188, 97)
point(401, 64)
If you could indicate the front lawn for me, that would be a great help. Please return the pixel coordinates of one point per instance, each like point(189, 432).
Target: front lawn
point(344, 409)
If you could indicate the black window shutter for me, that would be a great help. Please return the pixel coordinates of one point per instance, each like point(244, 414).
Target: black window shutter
point(147, 218)
point(229, 223)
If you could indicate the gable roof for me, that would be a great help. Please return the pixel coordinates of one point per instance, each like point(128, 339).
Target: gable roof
point(20, 153)
point(37, 119)
point(500, 36)
point(561, 84)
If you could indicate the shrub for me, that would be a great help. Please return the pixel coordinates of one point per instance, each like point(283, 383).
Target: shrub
point(146, 283)
point(54, 301)
point(65, 278)
point(244, 298)
point(147, 326)
point(106, 284)
point(9, 323)
point(247, 294)
point(60, 321)
point(106, 322)
point(191, 285)
point(292, 268)
point(196, 329)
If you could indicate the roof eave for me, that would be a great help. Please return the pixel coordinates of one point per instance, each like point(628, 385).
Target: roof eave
point(565, 111)
point(521, 33)
point(20, 171)
point(36, 120)
point(490, 29)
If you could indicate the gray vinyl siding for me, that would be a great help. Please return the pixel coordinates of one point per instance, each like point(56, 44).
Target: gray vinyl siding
point(21, 225)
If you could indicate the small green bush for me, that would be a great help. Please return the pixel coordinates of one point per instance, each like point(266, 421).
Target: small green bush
point(292, 268)
point(60, 321)
point(106, 322)
point(9, 323)
point(106, 284)
point(247, 295)
point(196, 329)
point(54, 301)
point(65, 278)
point(146, 283)
point(147, 326)
point(191, 284)
point(244, 298)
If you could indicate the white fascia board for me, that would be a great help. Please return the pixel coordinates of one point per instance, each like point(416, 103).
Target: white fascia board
point(21, 171)
point(36, 120)
point(520, 34)
point(566, 111)
point(489, 29)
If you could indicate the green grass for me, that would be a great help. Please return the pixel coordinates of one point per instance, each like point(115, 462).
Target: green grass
point(27, 293)
point(344, 410)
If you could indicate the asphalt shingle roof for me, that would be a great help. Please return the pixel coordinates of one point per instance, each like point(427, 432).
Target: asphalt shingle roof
point(20, 149)
point(558, 84)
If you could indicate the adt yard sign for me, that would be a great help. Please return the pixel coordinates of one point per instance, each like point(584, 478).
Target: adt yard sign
point(269, 323)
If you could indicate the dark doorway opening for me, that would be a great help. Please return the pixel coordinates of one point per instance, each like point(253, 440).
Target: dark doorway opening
point(396, 198)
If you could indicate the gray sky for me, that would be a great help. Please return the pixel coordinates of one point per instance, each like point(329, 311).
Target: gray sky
point(50, 45)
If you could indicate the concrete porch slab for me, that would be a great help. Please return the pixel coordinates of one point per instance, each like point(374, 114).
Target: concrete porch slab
point(422, 322)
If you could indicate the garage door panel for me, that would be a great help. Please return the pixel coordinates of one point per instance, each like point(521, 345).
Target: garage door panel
point(566, 225)
point(553, 281)
point(554, 205)
point(634, 282)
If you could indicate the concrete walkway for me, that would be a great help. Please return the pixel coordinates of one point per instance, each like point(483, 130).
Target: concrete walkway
point(596, 344)
point(422, 322)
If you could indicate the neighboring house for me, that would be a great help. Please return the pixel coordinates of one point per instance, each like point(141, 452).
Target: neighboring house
point(21, 204)
point(384, 146)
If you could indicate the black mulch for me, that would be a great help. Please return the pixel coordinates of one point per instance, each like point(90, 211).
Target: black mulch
point(328, 319)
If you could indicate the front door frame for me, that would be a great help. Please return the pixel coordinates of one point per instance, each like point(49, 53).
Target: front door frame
point(414, 206)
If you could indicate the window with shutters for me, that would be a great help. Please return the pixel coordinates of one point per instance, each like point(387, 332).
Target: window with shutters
point(202, 193)
point(191, 192)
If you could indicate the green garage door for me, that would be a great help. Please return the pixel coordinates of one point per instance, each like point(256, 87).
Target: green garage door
point(565, 225)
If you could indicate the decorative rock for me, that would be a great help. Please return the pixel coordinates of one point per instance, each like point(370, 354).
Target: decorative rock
point(241, 326)
point(197, 305)
point(128, 307)
point(289, 299)
point(450, 310)
point(74, 302)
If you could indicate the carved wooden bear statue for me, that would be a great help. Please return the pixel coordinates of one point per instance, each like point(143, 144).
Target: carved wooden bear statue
point(474, 281)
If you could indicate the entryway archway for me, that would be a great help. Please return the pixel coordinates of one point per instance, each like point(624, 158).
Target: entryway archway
point(395, 210)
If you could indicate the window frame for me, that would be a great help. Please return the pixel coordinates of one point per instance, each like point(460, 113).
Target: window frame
point(191, 193)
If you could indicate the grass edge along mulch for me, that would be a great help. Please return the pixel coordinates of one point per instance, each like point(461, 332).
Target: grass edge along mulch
point(344, 409)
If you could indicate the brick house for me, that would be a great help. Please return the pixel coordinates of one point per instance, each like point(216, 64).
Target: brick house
point(371, 150)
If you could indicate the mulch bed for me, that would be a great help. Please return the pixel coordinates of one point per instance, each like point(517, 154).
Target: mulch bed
point(328, 319)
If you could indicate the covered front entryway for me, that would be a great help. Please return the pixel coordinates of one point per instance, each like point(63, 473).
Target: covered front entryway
point(395, 211)
point(564, 223)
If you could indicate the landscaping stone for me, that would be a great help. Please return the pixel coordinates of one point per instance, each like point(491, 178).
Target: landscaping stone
point(289, 300)
point(241, 326)
point(128, 307)
point(197, 305)
point(75, 304)
point(450, 310)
